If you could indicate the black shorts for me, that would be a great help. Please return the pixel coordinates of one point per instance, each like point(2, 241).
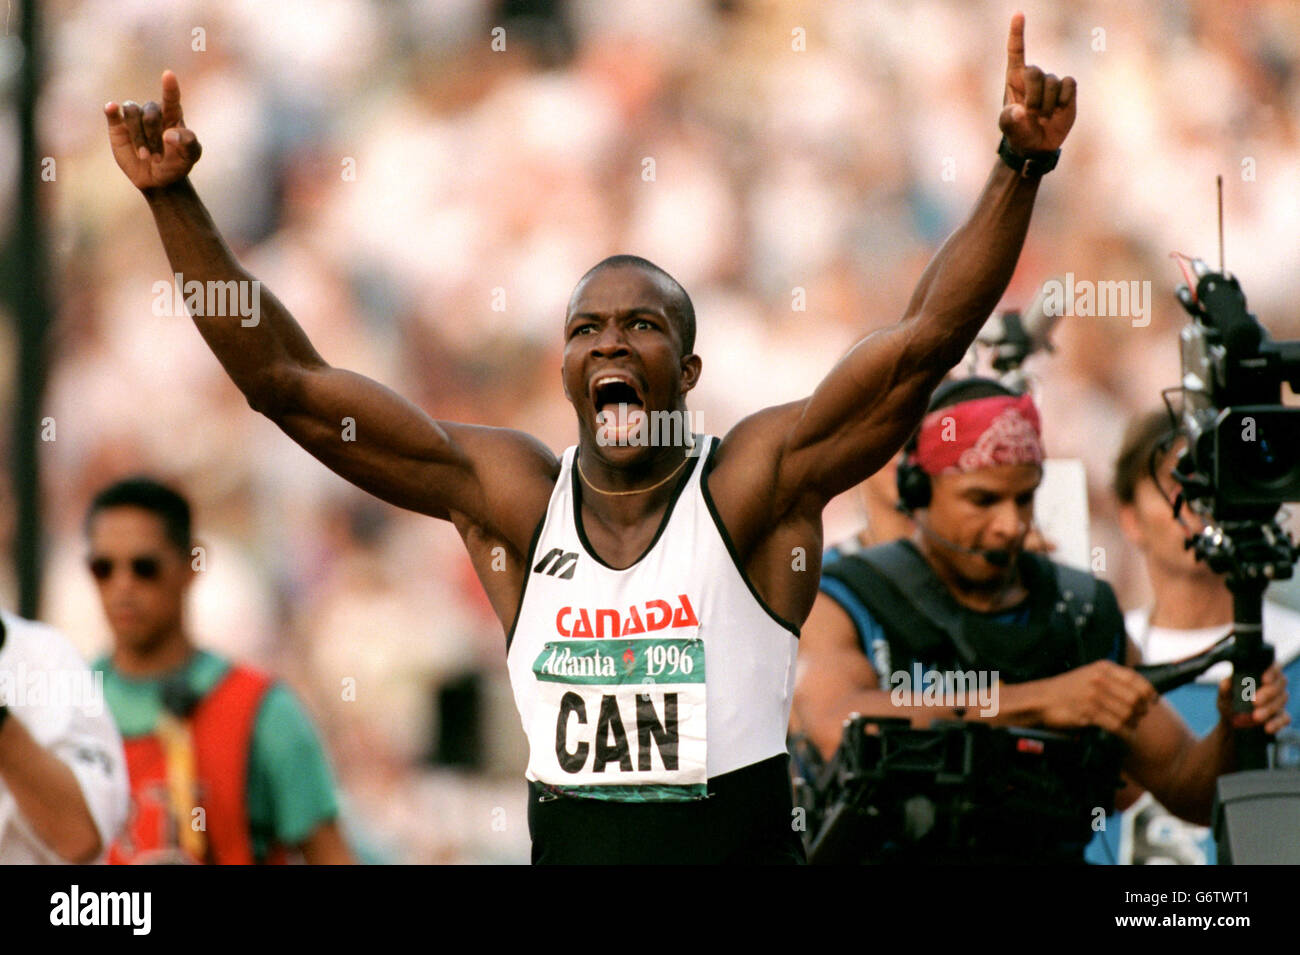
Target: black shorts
point(747, 818)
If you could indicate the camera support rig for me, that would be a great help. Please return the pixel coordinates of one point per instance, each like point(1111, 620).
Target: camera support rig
point(1241, 463)
point(1250, 555)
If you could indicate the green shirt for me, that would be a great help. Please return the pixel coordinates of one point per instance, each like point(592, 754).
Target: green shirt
point(290, 786)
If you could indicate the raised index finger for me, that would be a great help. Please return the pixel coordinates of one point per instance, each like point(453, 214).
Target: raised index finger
point(171, 99)
point(1016, 43)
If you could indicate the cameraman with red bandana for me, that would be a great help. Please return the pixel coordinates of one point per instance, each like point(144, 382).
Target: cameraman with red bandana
point(964, 596)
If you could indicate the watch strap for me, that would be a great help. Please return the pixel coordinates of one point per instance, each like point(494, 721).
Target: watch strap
point(1029, 166)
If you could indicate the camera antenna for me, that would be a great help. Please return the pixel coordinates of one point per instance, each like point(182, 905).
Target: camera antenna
point(1219, 183)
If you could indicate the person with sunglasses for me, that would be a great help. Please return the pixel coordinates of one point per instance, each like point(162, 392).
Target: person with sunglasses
point(225, 766)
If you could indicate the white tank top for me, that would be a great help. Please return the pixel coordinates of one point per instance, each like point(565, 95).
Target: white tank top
point(643, 683)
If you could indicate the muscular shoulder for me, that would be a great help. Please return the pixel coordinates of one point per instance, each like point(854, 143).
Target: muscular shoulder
point(516, 474)
point(756, 441)
point(744, 479)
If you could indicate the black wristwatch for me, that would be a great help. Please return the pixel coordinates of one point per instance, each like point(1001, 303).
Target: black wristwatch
point(1032, 165)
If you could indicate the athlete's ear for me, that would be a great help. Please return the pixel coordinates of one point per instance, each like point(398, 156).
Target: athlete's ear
point(691, 365)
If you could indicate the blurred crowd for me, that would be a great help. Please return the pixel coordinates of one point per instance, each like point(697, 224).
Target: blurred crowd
point(422, 182)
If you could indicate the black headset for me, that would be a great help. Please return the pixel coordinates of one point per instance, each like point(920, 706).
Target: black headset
point(913, 482)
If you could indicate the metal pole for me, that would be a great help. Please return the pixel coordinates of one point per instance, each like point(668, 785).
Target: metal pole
point(28, 281)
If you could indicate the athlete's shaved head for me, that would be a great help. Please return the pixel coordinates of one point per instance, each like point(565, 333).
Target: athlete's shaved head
point(677, 303)
point(629, 340)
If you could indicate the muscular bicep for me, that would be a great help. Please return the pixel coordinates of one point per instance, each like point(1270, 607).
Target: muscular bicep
point(375, 438)
point(831, 669)
point(784, 463)
point(386, 445)
point(861, 413)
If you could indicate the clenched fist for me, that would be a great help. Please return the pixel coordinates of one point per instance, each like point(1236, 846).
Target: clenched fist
point(150, 142)
point(1101, 694)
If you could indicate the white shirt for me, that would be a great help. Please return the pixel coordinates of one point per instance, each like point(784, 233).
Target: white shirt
point(60, 702)
point(601, 660)
point(1163, 644)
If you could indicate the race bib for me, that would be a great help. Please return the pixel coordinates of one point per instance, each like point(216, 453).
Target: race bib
point(627, 718)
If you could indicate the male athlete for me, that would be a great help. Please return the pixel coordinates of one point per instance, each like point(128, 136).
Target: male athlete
point(646, 590)
point(962, 598)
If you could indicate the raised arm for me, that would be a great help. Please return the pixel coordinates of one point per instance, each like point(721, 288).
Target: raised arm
point(866, 407)
point(492, 477)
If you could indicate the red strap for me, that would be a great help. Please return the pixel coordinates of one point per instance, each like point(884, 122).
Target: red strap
point(148, 829)
point(223, 739)
point(222, 725)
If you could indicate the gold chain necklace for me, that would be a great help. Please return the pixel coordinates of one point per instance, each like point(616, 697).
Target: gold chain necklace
point(640, 490)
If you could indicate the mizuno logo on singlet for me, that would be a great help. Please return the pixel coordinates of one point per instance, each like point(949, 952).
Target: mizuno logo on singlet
point(608, 622)
point(557, 560)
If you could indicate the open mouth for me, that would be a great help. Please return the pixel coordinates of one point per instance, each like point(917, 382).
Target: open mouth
point(610, 392)
point(620, 409)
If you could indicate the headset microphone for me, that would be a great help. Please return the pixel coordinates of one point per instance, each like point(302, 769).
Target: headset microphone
point(998, 558)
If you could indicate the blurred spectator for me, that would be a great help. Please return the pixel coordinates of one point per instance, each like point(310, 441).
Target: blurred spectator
point(225, 767)
point(1191, 612)
point(63, 780)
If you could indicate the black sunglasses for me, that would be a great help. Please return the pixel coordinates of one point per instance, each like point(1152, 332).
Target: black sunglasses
point(144, 568)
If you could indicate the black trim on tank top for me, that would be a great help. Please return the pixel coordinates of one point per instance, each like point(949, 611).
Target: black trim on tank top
point(731, 547)
point(528, 572)
point(668, 513)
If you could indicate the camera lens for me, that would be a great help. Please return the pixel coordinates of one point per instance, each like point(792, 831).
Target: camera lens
point(1259, 455)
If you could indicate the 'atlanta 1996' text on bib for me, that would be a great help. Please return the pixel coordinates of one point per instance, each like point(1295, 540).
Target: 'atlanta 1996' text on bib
point(627, 717)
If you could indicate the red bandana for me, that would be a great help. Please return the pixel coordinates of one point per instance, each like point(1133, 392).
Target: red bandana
point(980, 434)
